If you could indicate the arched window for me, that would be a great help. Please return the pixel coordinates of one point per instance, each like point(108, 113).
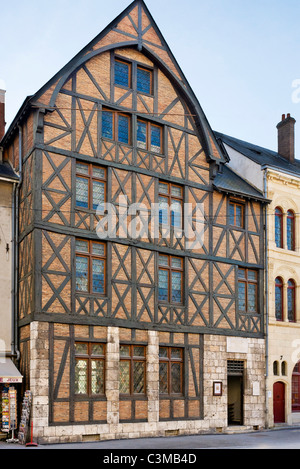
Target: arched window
point(290, 230)
point(291, 297)
point(296, 388)
point(279, 299)
point(283, 369)
point(275, 368)
point(278, 227)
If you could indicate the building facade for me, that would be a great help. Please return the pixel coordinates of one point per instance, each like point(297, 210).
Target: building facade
point(278, 174)
point(142, 332)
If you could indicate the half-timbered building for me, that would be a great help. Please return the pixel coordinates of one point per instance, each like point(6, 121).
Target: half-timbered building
point(120, 335)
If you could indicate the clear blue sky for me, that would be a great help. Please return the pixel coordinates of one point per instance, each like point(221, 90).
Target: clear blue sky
point(241, 57)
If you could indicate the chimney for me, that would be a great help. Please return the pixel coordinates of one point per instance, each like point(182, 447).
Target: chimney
point(2, 113)
point(286, 137)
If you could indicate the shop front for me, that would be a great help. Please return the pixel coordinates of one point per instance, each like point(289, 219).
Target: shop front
point(10, 377)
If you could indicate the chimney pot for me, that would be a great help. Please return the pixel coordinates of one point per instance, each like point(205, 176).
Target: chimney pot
point(286, 137)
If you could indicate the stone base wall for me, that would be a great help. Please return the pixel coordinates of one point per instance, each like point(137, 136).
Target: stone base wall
point(216, 351)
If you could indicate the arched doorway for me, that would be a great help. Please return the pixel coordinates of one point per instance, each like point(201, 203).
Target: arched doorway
point(279, 402)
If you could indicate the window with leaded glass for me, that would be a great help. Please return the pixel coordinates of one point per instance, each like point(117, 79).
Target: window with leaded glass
point(170, 370)
point(90, 185)
point(89, 368)
point(279, 299)
point(144, 80)
point(122, 73)
point(116, 126)
point(278, 227)
point(170, 199)
point(236, 214)
point(291, 298)
point(90, 266)
point(170, 279)
point(290, 230)
point(132, 377)
point(149, 136)
point(247, 291)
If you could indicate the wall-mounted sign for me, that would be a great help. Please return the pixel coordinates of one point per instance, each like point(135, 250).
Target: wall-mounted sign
point(217, 388)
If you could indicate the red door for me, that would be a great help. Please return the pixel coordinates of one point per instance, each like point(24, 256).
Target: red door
point(279, 402)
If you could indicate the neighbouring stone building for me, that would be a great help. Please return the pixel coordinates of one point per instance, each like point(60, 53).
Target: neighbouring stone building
point(278, 175)
point(134, 336)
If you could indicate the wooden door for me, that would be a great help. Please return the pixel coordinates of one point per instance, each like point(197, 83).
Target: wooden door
point(279, 402)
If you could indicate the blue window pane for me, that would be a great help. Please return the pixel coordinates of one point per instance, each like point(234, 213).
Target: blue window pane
point(155, 139)
point(98, 194)
point(231, 214)
point(98, 275)
point(141, 135)
point(163, 285)
point(242, 296)
point(123, 129)
point(121, 74)
point(278, 228)
point(163, 210)
point(176, 214)
point(107, 124)
point(278, 302)
point(81, 273)
point(143, 80)
point(239, 215)
point(82, 192)
point(176, 287)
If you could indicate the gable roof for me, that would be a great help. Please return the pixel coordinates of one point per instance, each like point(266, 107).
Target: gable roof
point(260, 155)
point(134, 27)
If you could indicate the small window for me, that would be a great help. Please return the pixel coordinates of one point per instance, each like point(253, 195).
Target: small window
point(170, 370)
point(170, 201)
point(247, 291)
point(284, 368)
point(116, 126)
point(279, 299)
point(278, 227)
point(90, 266)
point(291, 297)
point(275, 368)
point(90, 185)
point(149, 136)
point(170, 279)
point(144, 80)
point(89, 368)
point(290, 230)
point(132, 378)
point(236, 214)
point(122, 73)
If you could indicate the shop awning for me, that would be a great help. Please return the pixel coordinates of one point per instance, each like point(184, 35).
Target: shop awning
point(8, 372)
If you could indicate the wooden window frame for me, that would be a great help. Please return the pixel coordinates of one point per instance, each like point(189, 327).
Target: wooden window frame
point(292, 288)
point(279, 284)
point(115, 126)
point(291, 216)
point(90, 256)
point(248, 281)
point(171, 197)
point(148, 136)
point(89, 357)
point(129, 64)
point(169, 360)
point(169, 268)
point(90, 178)
point(235, 204)
point(150, 70)
point(132, 359)
point(279, 218)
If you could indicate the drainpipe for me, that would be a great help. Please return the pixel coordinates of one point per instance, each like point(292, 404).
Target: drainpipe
point(266, 299)
point(15, 353)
